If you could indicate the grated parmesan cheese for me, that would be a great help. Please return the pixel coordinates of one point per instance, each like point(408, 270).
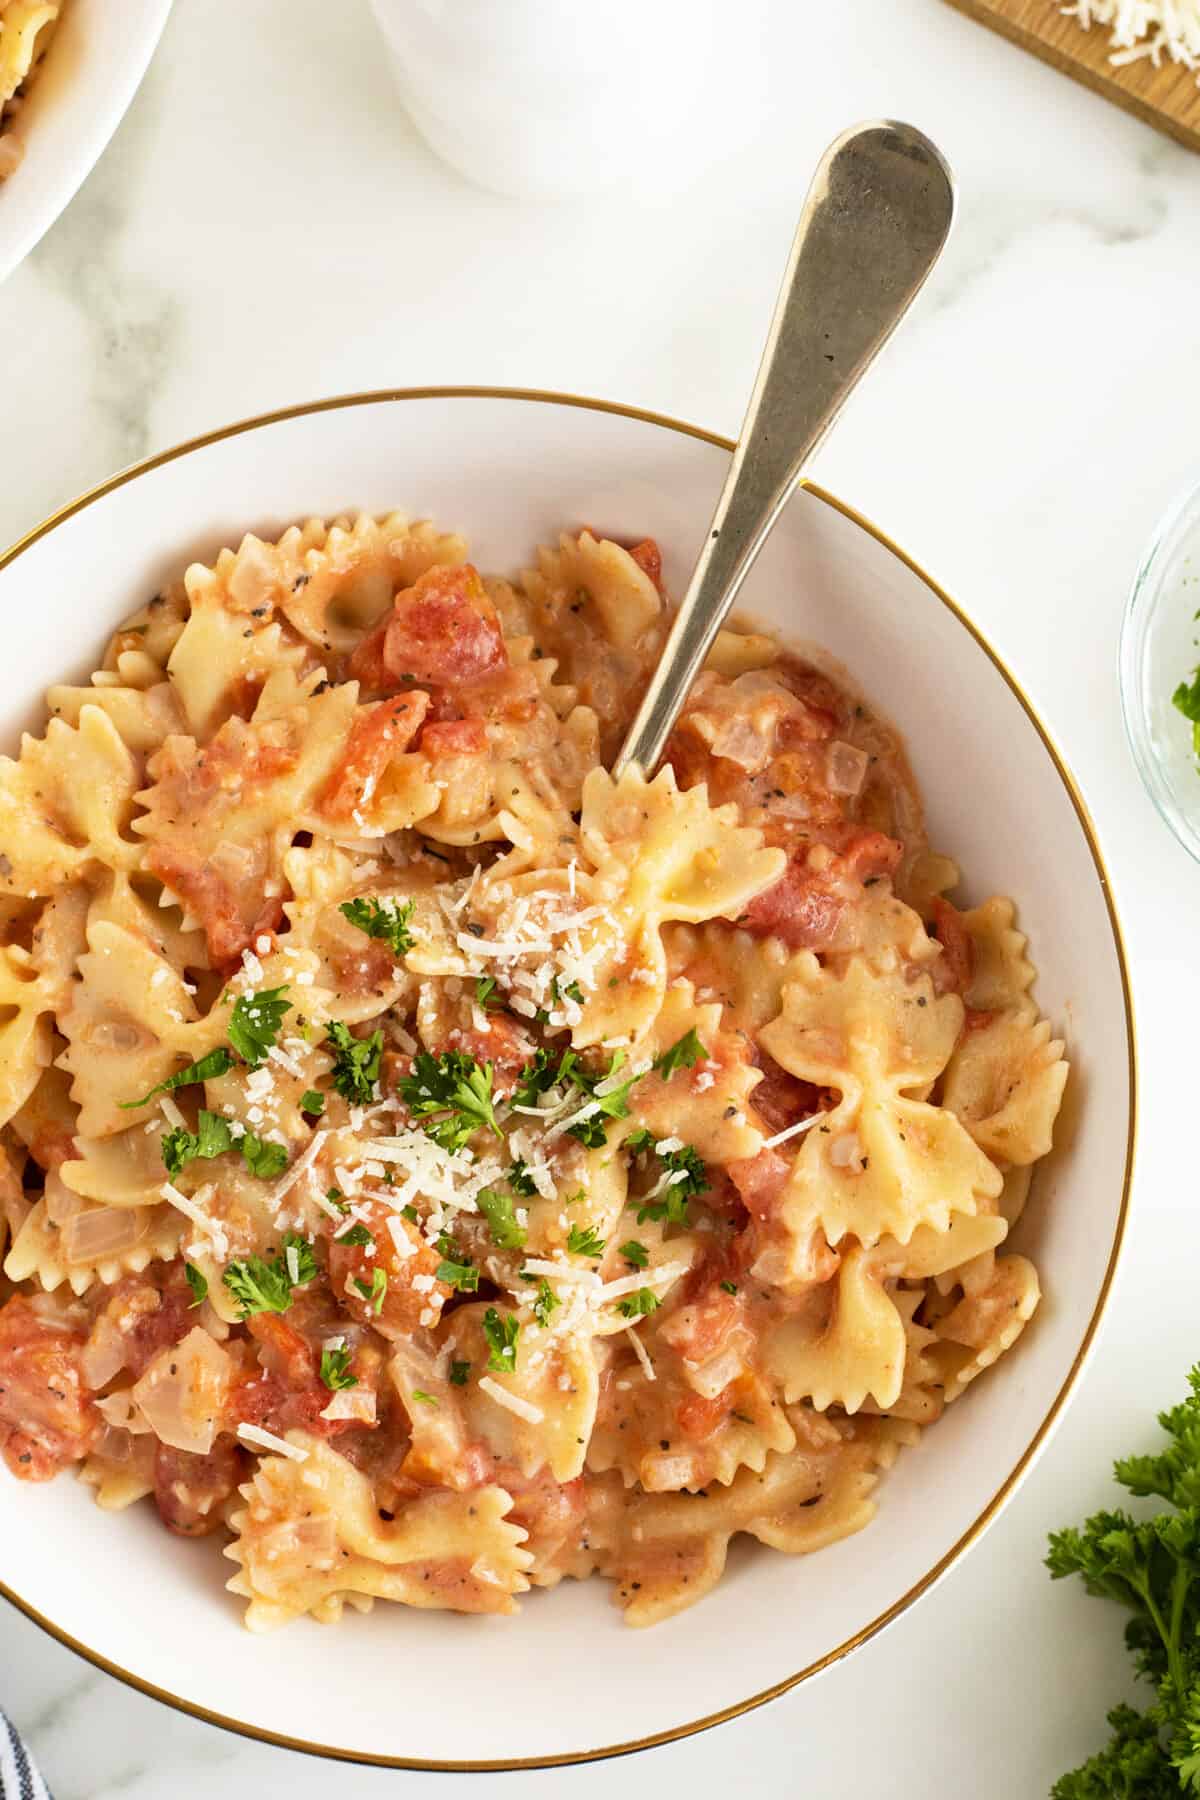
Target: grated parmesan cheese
point(1144, 28)
point(513, 1403)
point(266, 1440)
point(791, 1131)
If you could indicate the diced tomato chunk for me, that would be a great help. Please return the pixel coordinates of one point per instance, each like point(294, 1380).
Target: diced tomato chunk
point(781, 1099)
point(190, 1491)
point(47, 1418)
point(232, 918)
point(806, 905)
point(399, 1311)
point(648, 558)
point(444, 630)
point(953, 970)
point(377, 736)
point(454, 737)
point(760, 1180)
point(288, 1393)
point(699, 1417)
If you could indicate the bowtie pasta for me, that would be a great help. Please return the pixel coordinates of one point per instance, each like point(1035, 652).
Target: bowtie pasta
point(26, 27)
point(438, 1168)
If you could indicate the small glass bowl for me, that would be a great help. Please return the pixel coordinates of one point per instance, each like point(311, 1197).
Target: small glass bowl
point(1160, 647)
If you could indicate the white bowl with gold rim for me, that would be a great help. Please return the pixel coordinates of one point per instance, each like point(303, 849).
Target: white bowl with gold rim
point(92, 68)
point(435, 1690)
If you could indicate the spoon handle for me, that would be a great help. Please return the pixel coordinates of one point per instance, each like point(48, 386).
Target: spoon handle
point(874, 222)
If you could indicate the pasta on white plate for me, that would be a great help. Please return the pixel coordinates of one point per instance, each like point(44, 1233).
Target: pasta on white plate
point(26, 27)
point(438, 1168)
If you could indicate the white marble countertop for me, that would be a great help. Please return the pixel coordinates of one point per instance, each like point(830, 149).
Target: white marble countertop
point(266, 228)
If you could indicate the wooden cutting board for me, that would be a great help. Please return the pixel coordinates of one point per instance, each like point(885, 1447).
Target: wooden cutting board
point(1167, 97)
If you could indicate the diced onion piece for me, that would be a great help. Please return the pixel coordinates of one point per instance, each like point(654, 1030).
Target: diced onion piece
point(61, 1203)
point(92, 1237)
point(663, 1472)
point(845, 768)
point(845, 1150)
point(183, 1391)
point(714, 1376)
point(352, 1403)
point(120, 1411)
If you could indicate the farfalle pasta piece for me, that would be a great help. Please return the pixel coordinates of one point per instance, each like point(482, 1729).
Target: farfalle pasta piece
point(24, 28)
point(1005, 1082)
point(123, 1170)
point(707, 1105)
point(638, 1429)
point(882, 1162)
point(1001, 974)
point(591, 573)
point(66, 805)
point(144, 717)
point(972, 1335)
point(540, 1416)
point(220, 661)
point(922, 1397)
point(130, 1022)
point(666, 1551)
point(661, 855)
point(220, 820)
point(745, 973)
point(844, 1346)
point(310, 1538)
point(93, 1244)
point(26, 1037)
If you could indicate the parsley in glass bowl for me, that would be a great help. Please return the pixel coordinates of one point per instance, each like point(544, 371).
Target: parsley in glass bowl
point(1160, 670)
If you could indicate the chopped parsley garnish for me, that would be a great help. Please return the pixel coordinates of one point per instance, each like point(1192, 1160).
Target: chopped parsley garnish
point(635, 1253)
point(452, 1095)
point(612, 1104)
point(639, 1140)
point(424, 1398)
point(501, 1332)
point(198, 1284)
point(259, 1286)
point(547, 1302)
point(584, 1240)
point(535, 1078)
point(357, 1234)
point(464, 1276)
point(382, 919)
point(458, 1373)
point(355, 1061)
point(500, 1212)
point(486, 993)
point(312, 1101)
point(335, 1367)
point(1186, 699)
point(263, 1158)
point(636, 1306)
point(212, 1137)
point(684, 1054)
point(255, 1022)
point(335, 1198)
point(729, 1287)
point(672, 1204)
point(218, 1062)
point(410, 1213)
point(572, 991)
point(520, 1180)
point(374, 1291)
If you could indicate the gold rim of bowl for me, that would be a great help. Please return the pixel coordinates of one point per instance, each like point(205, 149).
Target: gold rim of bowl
point(1024, 1462)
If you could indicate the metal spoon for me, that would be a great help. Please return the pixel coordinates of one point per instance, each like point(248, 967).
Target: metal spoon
point(877, 215)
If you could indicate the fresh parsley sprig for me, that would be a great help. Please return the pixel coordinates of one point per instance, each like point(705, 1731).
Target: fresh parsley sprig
point(335, 1367)
point(584, 1240)
point(212, 1137)
point(218, 1062)
point(356, 1062)
point(389, 920)
point(259, 1286)
point(501, 1331)
point(255, 1023)
point(451, 1095)
point(637, 1305)
point(1150, 1566)
point(684, 1054)
point(686, 1164)
point(499, 1210)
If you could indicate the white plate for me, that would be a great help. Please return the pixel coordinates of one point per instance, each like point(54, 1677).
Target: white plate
point(567, 1680)
point(95, 62)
